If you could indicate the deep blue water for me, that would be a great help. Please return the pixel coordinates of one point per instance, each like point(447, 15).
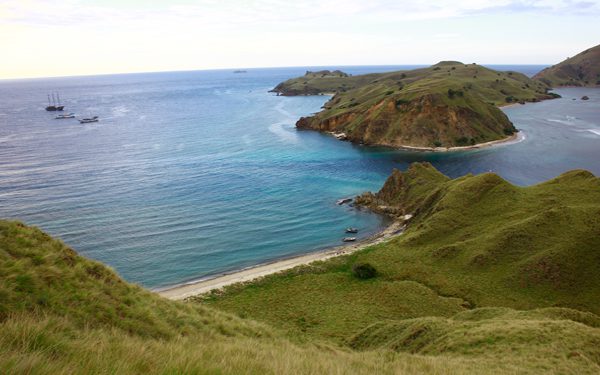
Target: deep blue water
point(190, 174)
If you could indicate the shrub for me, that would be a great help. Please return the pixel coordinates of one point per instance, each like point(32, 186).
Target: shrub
point(452, 93)
point(400, 102)
point(364, 271)
point(437, 143)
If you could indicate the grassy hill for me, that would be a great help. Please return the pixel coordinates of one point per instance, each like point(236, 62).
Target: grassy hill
point(474, 244)
point(580, 70)
point(446, 105)
point(454, 294)
point(63, 314)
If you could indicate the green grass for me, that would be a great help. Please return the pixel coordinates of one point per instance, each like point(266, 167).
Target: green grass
point(546, 339)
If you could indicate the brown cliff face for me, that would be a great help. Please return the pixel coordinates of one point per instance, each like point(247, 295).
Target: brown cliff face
point(427, 121)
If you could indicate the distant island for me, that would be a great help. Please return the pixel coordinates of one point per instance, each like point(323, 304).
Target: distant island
point(447, 105)
point(580, 70)
point(240, 71)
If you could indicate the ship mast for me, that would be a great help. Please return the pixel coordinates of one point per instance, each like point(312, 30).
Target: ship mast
point(57, 98)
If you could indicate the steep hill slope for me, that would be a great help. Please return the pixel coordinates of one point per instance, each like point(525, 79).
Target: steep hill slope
point(446, 105)
point(580, 70)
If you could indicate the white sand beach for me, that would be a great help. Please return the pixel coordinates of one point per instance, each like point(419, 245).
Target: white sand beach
point(206, 285)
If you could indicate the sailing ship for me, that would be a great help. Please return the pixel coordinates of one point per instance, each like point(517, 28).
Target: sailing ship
point(54, 105)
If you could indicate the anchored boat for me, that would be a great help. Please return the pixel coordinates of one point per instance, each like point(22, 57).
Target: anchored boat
point(68, 115)
point(88, 120)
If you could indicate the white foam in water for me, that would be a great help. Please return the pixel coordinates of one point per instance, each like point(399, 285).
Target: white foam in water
point(120, 111)
point(279, 130)
point(594, 131)
point(564, 122)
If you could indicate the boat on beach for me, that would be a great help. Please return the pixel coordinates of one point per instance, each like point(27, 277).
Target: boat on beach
point(349, 239)
point(68, 115)
point(88, 120)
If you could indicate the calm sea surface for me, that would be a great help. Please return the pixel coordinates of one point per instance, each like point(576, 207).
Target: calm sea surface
point(190, 174)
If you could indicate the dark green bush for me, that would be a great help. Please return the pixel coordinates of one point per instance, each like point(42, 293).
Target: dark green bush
point(364, 271)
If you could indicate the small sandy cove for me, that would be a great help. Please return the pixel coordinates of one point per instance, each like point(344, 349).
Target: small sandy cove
point(203, 286)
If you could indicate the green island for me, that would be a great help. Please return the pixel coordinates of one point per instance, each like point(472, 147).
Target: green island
point(447, 105)
point(580, 70)
point(488, 277)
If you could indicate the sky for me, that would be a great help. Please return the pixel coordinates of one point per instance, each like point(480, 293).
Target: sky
point(41, 38)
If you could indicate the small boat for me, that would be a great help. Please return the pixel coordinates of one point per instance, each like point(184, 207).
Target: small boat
point(343, 200)
point(349, 239)
point(68, 115)
point(351, 230)
point(88, 120)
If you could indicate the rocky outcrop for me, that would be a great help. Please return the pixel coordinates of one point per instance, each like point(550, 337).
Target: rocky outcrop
point(403, 193)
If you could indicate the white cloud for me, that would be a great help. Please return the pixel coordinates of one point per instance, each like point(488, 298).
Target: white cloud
point(126, 36)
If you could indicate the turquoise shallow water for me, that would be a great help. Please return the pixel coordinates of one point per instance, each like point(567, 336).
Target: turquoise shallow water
point(191, 174)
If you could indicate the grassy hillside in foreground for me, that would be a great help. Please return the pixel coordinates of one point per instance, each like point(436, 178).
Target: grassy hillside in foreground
point(475, 241)
point(446, 105)
point(63, 314)
point(580, 70)
point(555, 335)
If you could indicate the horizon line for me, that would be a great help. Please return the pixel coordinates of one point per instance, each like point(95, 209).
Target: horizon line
point(245, 68)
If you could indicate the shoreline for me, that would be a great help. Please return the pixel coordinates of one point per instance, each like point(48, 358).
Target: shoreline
point(193, 288)
point(514, 138)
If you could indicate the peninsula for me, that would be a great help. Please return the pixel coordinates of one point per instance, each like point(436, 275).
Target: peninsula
point(446, 105)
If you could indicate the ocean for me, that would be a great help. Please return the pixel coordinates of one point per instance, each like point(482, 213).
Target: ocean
point(192, 174)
